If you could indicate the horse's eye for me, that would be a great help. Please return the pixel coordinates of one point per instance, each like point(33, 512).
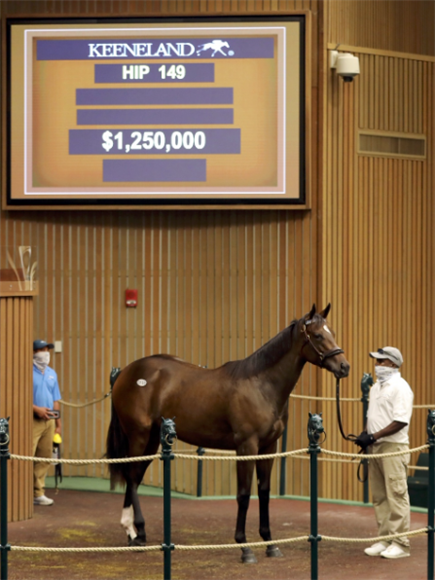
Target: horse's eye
point(317, 335)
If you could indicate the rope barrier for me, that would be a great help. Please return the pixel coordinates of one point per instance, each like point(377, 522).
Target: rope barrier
point(377, 539)
point(294, 396)
point(120, 549)
point(86, 461)
point(375, 455)
point(349, 400)
point(214, 457)
point(324, 398)
point(158, 548)
point(185, 548)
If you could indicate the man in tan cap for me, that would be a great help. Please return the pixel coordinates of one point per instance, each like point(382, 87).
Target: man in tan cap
point(388, 418)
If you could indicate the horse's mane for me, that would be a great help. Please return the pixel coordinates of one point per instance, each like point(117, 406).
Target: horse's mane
point(263, 358)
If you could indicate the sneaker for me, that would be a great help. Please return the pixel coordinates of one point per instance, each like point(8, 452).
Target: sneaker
point(376, 549)
point(394, 551)
point(42, 500)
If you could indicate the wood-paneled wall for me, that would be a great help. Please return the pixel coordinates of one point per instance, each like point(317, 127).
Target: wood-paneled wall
point(396, 25)
point(215, 285)
point(16, 317)
point(212, 285)
point(378, 215)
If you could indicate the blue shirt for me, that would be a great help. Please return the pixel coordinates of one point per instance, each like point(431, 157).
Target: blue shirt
point(45, 387)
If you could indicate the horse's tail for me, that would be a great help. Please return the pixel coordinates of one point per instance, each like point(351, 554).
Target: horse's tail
point(116, 447)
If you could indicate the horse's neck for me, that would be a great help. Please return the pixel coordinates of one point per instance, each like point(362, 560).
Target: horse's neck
point(284, 376)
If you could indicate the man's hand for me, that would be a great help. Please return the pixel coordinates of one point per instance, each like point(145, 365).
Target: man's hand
point(43, 412)
point(364, 440)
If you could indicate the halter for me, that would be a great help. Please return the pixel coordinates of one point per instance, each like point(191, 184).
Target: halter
point(322, 355)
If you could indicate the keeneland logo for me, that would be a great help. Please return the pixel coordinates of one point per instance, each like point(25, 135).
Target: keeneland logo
point(215, 46)
point(155, 50)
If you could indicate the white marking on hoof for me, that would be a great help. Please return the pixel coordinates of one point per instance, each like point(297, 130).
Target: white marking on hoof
point(127, 522)
point(141, 382)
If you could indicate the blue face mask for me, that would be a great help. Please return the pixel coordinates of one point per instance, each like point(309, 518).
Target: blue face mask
point(384, 374)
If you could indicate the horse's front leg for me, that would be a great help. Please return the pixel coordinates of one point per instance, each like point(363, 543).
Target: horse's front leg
point(245, 470)
point(264, 469)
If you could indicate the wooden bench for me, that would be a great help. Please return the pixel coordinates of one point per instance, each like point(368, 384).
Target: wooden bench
point(418, 483)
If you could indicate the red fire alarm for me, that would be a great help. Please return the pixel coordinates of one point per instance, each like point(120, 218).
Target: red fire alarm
point(131, 298)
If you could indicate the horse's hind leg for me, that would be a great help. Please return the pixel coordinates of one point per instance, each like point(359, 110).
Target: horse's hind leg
point(264, 468)
point(132, 519)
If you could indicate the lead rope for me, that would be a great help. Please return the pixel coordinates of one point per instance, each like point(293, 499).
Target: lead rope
point(351, 437)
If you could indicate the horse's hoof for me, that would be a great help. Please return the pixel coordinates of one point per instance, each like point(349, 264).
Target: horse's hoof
point(273, 552)
point(136, 542)
point(248, 557)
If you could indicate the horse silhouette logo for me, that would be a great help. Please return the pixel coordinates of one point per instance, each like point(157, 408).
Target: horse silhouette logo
point(215, 46)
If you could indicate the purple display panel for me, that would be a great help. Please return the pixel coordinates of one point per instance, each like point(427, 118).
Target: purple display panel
point(170, 96)
point(121, 73)
point(155, 117)
point(152, 170)
point(141, 48)
point(140, 142)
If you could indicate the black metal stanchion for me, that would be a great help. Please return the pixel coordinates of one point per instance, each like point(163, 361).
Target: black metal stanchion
point(282, 475)
point(200, 452)
point(366, 383)
point(315, 428)
point(4, 456)
point(167, 437)
point(431, 494)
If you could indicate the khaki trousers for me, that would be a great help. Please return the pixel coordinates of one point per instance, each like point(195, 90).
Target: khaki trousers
point(388, 481)
point(43, 432)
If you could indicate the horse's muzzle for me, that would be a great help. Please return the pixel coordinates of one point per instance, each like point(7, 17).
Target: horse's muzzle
point(342, 371)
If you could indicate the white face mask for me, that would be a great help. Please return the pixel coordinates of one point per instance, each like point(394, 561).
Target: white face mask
point(41, 360)
point(384, 374)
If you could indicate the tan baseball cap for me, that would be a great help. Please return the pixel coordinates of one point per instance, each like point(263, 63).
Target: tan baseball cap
point(389, 352)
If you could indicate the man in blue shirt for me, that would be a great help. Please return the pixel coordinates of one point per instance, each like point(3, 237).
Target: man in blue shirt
point(46, 396)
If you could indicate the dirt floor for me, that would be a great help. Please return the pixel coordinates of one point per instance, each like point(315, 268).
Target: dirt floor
point(87, 519)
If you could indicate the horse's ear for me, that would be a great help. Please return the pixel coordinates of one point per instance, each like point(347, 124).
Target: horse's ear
point(325, 312)
point(312, 312)
point(309, 414)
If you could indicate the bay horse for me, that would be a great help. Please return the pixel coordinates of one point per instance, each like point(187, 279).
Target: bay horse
point(242, 405)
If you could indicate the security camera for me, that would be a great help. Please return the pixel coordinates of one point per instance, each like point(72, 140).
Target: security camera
point(346, 64)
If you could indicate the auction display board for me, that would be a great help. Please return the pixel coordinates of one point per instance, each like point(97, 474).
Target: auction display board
point(155, 113)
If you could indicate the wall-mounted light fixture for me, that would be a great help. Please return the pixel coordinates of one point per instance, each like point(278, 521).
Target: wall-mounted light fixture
point(345, 63)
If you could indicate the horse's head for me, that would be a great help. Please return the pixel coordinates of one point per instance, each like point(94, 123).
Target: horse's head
point(319, 346)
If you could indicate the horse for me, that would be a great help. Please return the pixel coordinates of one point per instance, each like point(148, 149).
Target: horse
point(215, 46)
point(241, 405)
